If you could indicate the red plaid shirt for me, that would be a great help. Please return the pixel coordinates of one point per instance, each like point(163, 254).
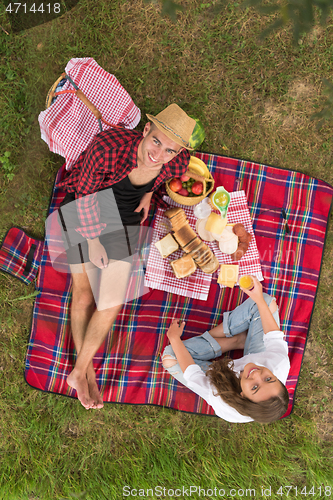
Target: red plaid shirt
point(110, 157)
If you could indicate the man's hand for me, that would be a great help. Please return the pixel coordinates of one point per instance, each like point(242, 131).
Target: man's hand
point(97, 253)
point(175, 330)
point(144, 204)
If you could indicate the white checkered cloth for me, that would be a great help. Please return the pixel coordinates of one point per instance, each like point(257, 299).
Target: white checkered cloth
point(159, 274)
point(68, 126)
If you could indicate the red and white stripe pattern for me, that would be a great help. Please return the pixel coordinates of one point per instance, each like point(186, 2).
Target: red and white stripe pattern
point(68, 126)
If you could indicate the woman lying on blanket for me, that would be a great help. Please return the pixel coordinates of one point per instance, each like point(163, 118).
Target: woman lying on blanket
point(249, 388)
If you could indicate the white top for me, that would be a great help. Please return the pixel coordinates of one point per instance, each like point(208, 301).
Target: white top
point(275, 358)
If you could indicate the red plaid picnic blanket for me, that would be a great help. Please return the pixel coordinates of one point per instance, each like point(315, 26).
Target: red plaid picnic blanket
point(159, 274)
point(128, 364)
point(68, 126)
point(20, 255)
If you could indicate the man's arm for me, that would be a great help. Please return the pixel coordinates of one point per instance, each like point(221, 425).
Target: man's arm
point(91, 227)
point(90, 181)
point(144, 204)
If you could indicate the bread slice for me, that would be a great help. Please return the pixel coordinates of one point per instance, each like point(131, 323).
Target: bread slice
point(171, 212)
point(178, 221)
point(183, 267)
point(201, 255)
point(185, 235)
point(211, 266)
point(204, 259)
point(192, 245)
point(199, 250)
point(167, 245)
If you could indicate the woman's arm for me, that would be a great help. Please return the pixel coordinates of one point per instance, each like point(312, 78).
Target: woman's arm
point(174, 333)
point(268, 322)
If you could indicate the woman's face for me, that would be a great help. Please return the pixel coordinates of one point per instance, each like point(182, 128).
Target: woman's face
point(258, 383)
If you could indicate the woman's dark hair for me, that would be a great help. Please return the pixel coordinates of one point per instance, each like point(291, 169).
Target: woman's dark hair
point(228, 387)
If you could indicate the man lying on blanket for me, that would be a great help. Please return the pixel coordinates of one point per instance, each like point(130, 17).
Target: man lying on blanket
point(134, 164)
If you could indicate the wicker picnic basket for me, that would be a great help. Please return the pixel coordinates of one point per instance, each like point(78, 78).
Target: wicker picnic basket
point(53, 93)
point(208, 186)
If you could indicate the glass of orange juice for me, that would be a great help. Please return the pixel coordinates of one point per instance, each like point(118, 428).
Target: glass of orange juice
point(246, 282)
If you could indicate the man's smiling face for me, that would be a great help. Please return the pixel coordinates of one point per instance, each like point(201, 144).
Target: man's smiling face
point(258, 383)
point(156, 148)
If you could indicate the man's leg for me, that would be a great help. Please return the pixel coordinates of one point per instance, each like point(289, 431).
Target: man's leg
point(90, 327)
point(82, 308)
point(83, 378)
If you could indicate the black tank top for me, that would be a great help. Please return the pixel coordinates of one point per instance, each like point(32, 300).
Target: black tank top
point(128, 198)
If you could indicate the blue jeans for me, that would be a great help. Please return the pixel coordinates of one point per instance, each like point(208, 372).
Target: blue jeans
point(205, 348)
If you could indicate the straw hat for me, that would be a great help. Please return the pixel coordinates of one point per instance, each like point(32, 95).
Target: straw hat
point(175, 124)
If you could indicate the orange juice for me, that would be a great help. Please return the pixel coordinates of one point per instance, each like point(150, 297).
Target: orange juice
point(246, 282)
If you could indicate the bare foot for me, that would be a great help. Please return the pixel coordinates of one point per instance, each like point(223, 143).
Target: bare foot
point(94, 392)
point(82, 389)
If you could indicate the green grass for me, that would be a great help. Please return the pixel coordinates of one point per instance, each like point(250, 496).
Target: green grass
point(255, 99)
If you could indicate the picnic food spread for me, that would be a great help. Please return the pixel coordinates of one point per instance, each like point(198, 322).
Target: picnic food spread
point(197, 253)
point(204, 238)
point(233, 239)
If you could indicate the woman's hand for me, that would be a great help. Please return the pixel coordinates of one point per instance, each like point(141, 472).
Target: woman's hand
point(175, 330)
point(256, 292)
